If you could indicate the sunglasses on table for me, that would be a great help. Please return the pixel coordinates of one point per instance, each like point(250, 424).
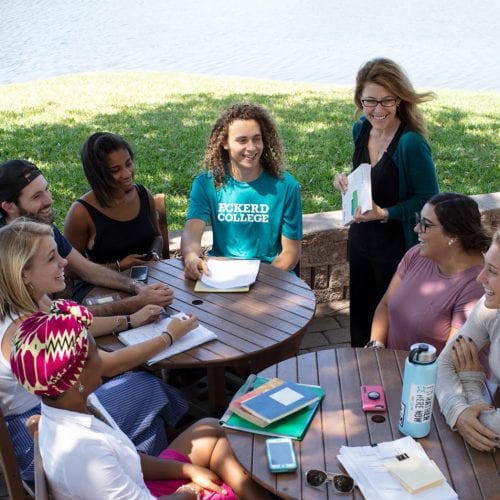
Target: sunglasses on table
point(341, 482)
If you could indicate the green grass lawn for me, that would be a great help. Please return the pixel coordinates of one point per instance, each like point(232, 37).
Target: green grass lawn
point(167, 119)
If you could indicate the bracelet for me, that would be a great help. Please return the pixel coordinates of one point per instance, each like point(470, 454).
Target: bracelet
point(118, 321)
point(118, 266)
point(386, 218)
point(375, 343)
point(187, 487)
point(115, 326)
point(129, 322)
point(170, 336)
point(133, 286)
point(164, 336)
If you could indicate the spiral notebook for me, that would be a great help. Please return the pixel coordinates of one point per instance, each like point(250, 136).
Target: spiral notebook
point(194, 338)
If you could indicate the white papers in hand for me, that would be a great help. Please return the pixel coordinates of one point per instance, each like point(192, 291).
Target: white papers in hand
point(230, 273)
point(365, 464)
point(194, 338)
point(358, 194)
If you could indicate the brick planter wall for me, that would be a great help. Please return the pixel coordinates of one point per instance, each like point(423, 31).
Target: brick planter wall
point(323, 265)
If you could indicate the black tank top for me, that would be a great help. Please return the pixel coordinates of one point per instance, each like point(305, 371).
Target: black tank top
point(116, 239)
point(379, 241)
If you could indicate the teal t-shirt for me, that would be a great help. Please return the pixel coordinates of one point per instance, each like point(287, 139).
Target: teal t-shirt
point(248, 218)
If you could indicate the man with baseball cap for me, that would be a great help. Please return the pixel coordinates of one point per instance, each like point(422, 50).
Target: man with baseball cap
point(24, 192)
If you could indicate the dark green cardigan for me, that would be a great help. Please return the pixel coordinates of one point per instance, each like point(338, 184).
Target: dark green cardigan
point(417, 178)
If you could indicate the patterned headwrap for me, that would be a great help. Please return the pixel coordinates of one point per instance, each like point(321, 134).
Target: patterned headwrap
point(50, 349)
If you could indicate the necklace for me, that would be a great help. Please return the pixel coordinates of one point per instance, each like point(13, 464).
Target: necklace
point(377, 146)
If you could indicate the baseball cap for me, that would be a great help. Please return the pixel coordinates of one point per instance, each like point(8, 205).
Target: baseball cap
point(15, 175)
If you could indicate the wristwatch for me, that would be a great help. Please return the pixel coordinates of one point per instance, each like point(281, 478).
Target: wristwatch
point(132, 286)
point(375, 343)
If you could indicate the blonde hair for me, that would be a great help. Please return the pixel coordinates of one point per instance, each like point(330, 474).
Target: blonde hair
point(389, 75)
point(19, 242)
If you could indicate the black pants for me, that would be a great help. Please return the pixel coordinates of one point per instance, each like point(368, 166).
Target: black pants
point(371, 268)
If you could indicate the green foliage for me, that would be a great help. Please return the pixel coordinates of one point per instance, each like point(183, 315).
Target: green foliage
point(167, 119)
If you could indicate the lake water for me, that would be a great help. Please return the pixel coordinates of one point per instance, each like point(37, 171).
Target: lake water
point(453, 44)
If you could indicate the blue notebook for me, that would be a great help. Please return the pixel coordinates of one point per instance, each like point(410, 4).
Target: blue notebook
point(281, 401)
point(295, 426)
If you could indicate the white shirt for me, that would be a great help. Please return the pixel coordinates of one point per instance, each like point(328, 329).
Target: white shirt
point(85, 458)
point(482, 326)
point(14, 398)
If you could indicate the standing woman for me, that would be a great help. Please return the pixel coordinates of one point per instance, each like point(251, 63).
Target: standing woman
point(391, 136)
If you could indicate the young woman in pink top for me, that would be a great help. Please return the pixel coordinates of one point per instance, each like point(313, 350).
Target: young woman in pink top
point(434, 288)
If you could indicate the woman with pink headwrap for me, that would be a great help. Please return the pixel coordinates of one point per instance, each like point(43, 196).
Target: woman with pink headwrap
point(141, 404)
point(84, 453)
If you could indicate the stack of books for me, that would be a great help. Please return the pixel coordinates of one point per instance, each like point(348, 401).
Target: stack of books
point(273, 407)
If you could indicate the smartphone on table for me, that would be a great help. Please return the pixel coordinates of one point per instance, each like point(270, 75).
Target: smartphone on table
point(280, 455)
point(139, 273)
point(373, 398)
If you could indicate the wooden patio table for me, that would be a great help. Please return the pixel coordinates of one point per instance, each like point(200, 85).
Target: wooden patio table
point(254, 329)
point(341, 421)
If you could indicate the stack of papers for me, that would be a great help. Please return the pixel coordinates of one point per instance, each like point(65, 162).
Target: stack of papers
point(228, 275)
point(194, 338)
point(368, 466)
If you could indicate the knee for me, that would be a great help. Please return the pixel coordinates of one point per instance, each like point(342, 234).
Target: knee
point(209, 427)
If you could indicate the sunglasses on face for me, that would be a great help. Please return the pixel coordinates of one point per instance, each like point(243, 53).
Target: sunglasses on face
point(341, 482)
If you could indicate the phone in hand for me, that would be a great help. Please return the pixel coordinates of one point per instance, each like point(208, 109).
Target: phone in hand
point(280, 455)
point(373, 398)
point(147, 255)
point(139, 273)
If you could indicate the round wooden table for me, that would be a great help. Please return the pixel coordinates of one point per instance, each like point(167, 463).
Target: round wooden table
point(341, 421)
point(254, 329)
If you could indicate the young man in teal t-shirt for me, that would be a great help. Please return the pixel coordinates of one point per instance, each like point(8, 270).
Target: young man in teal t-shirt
point(253, 205)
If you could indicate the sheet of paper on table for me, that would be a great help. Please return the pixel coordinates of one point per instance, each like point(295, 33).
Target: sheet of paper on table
point(194, 338)
point(365, 464)
point(358, 194)
point(226, 274)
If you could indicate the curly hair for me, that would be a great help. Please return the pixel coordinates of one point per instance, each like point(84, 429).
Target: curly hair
point(216, 157)
point(390, 75)
point(460, 217)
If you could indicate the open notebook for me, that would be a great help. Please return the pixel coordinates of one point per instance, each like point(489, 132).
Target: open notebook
point(195, 337)
point(228, 275)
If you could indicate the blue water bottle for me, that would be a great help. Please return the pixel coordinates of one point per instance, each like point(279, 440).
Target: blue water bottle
point(417, 396)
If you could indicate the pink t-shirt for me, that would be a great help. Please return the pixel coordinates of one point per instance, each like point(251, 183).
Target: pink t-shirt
point(427, 303)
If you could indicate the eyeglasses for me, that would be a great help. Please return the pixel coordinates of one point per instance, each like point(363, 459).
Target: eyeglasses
point(419, 221)
point(341, 482)
point(386, 102)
